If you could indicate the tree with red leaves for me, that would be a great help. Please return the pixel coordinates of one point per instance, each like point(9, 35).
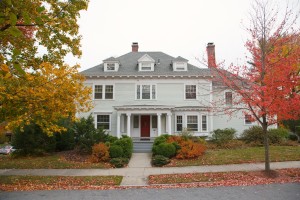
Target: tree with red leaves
point(269, 87)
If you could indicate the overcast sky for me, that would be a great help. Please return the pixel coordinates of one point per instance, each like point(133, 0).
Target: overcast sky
point(176, 27)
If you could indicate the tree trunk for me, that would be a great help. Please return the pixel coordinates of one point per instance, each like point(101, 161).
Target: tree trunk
point(266, 144)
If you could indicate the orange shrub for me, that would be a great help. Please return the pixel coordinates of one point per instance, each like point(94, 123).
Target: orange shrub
point(100, 152)
point(190, 149)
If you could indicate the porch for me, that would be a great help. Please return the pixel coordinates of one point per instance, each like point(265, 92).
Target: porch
point(143, 122)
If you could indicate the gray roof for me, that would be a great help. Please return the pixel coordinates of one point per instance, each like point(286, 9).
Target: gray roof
point(111, 59)
point(179, 58)
point(129, 67)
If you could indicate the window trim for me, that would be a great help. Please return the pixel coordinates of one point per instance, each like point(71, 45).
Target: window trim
point(147, 70)
point(141, 90)
point(196, 98)
point(109, 117)
point(104, 92)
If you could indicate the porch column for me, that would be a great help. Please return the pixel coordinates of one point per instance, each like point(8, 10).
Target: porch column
point(128, 124)
point(158, 124)
point(118, 125)
point(169, 123)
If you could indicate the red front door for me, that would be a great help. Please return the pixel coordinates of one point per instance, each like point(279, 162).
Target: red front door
point(145, 126)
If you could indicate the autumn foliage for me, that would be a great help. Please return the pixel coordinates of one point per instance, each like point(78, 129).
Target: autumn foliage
point(100, 153)
point(188, 148)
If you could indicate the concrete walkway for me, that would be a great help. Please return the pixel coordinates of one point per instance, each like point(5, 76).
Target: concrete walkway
point(139, 168)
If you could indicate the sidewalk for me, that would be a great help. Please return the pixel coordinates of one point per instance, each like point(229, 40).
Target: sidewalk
point(139, 169)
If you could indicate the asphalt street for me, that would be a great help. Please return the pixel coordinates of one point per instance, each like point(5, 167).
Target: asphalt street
point(289, 191)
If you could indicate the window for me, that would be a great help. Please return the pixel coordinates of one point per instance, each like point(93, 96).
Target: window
point(180, 66)
point(146, 67)
point(192, 122)
point(103, 121)
point(249, 119)
point(154, 121)
point(98, 92)
point(179, 123)
point(190, 92)
point(146, 92)
point(109, 92)
point(110, 67)
point(104, 92)
point(136, 121)
point(204, 123)
point(228, 98)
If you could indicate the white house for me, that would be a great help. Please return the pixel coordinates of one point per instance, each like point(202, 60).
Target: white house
point(146, 94)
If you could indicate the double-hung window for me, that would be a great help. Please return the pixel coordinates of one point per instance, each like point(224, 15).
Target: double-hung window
point(104, 92)
point(190, 91)
point(146, 92)
point(192, 122)
point(228, 98)
point(179, 123)
point(204, 123)
point(103, 121)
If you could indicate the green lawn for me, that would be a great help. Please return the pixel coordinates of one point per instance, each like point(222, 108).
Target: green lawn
point(45, 162)
point(243, 155)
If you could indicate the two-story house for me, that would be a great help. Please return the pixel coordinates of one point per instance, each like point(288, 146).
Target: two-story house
point(146, 94)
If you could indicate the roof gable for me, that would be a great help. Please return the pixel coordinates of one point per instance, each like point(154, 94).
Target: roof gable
point(146, 58)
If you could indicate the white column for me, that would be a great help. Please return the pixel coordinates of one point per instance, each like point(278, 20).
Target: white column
point(169, 123)
point(118, 125)
point(128, 124)
point(158, 124)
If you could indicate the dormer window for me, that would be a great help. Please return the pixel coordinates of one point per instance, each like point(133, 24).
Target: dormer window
point(146, 67)
point(146, 63)
point(179, 64)
point(111, 67)
point(111, 64)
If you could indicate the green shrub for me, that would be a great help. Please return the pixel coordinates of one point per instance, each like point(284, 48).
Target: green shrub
point(32, 141)
point(277, 136)
point(119, 162)
point(115, 151)
point(127, 145)
point(293, 137)
point(166, 149)
point(111, 139)
point(86, 135)
point(160, 139)
point(253, 134)
point(159, 160)
point(221, 136)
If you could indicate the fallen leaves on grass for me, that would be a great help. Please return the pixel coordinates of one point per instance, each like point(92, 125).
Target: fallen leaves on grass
point(30, 183)
point(208, 180)
point(228, 178)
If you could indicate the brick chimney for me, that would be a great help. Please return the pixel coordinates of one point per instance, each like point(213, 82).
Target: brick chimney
point(135, 47)
point(211, 57)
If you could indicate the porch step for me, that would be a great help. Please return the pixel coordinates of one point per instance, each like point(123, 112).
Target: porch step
point(142, 146)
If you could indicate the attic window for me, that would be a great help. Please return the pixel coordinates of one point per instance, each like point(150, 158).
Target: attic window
point(146, 67)
point(180, 66)
point(110, 67)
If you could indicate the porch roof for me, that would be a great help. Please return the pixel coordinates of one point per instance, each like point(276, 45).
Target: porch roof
point(144, 107)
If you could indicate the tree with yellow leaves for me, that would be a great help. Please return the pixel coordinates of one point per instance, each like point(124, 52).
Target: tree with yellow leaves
point(36, 86)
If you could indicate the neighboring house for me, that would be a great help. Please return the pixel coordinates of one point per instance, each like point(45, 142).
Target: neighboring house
point(146, 94)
